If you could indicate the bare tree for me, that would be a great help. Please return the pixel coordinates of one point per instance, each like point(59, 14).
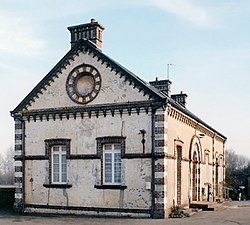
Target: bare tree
point(237, 170)
point(7, 167)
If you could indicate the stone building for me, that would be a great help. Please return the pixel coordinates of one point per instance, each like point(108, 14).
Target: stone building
point(93, 138)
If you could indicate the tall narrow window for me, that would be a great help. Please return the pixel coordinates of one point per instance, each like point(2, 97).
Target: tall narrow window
point(59, 165)
point(207, 168)
point(57, 151)
point(221, 170)
point(112, 164)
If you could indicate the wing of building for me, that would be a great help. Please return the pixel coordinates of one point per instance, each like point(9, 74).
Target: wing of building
point(93, 138)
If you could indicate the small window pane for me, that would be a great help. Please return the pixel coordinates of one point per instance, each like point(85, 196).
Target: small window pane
point(55, 148)
point(108, 147)
point(117, 165)
point(117, 146)
point(108, 167)
point(55, 159)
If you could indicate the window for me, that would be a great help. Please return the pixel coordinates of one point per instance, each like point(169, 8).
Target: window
point(221, 170)
point(207, 168)
point(57, 151)
point(112, 164)
point(59, 165)
point(110, 150)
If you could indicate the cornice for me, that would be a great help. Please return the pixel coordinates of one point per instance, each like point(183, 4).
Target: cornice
point(194, 123)
point(89, 111)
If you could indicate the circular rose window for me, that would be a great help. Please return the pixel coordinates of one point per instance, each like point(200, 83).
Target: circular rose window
point(83, 84)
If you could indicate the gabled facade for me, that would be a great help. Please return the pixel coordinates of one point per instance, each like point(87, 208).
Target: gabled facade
point(93, 138)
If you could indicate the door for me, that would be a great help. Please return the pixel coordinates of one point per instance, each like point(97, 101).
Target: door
point(195, 177)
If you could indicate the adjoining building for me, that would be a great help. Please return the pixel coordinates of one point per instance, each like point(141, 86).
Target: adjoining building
point(93, 138)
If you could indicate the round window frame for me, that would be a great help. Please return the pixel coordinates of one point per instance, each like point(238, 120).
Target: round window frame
point(74, 76)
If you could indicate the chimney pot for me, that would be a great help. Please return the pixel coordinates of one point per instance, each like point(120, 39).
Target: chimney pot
point(180, 98)
point(162, 85)
point(91, 31)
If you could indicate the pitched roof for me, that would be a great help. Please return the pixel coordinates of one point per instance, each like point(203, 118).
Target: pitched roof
point(88, 46)
point(178, 106)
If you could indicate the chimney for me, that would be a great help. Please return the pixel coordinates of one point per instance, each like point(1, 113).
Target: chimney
point(180, 98)
point(91, 31)
point(162, 85)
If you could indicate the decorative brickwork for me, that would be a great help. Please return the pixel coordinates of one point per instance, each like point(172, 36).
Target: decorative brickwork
point(109, 140)
point(159, 130)
point(19, 127)
point(159, 168)
point(160, 173)
point(159, 117)
point(159, 181)
point(18, 168)
point(159, 143)
point(18, 147)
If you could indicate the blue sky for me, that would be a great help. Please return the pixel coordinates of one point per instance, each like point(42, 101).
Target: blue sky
point(207, 41)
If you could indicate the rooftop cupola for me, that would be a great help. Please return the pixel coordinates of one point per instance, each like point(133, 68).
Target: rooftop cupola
point(91, 31)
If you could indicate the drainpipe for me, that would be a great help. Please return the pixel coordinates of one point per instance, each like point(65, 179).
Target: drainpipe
point(153, 161)
point(23, 154)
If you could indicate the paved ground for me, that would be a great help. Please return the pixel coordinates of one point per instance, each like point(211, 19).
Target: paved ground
point(232, 213)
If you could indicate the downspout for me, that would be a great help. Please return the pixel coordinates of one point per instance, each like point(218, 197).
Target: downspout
point(153, 161)
point(213, 170)
point(22, 155)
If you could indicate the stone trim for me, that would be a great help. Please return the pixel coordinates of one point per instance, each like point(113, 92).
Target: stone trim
point(18, 168)
point(136, 155)
point(19, 141)
point(86, 156)
point(18, 147)
point(18, 137)
point(114, 187)
point(36, 157)
point(60, 186)
point(159, 130)
point(159, 181)
point(95, 209)
point(160, 156)
point(49, 143)
point(159, 167)
point(109, 140)
point(83, 157)
point(159, 117)
point(89, 111)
